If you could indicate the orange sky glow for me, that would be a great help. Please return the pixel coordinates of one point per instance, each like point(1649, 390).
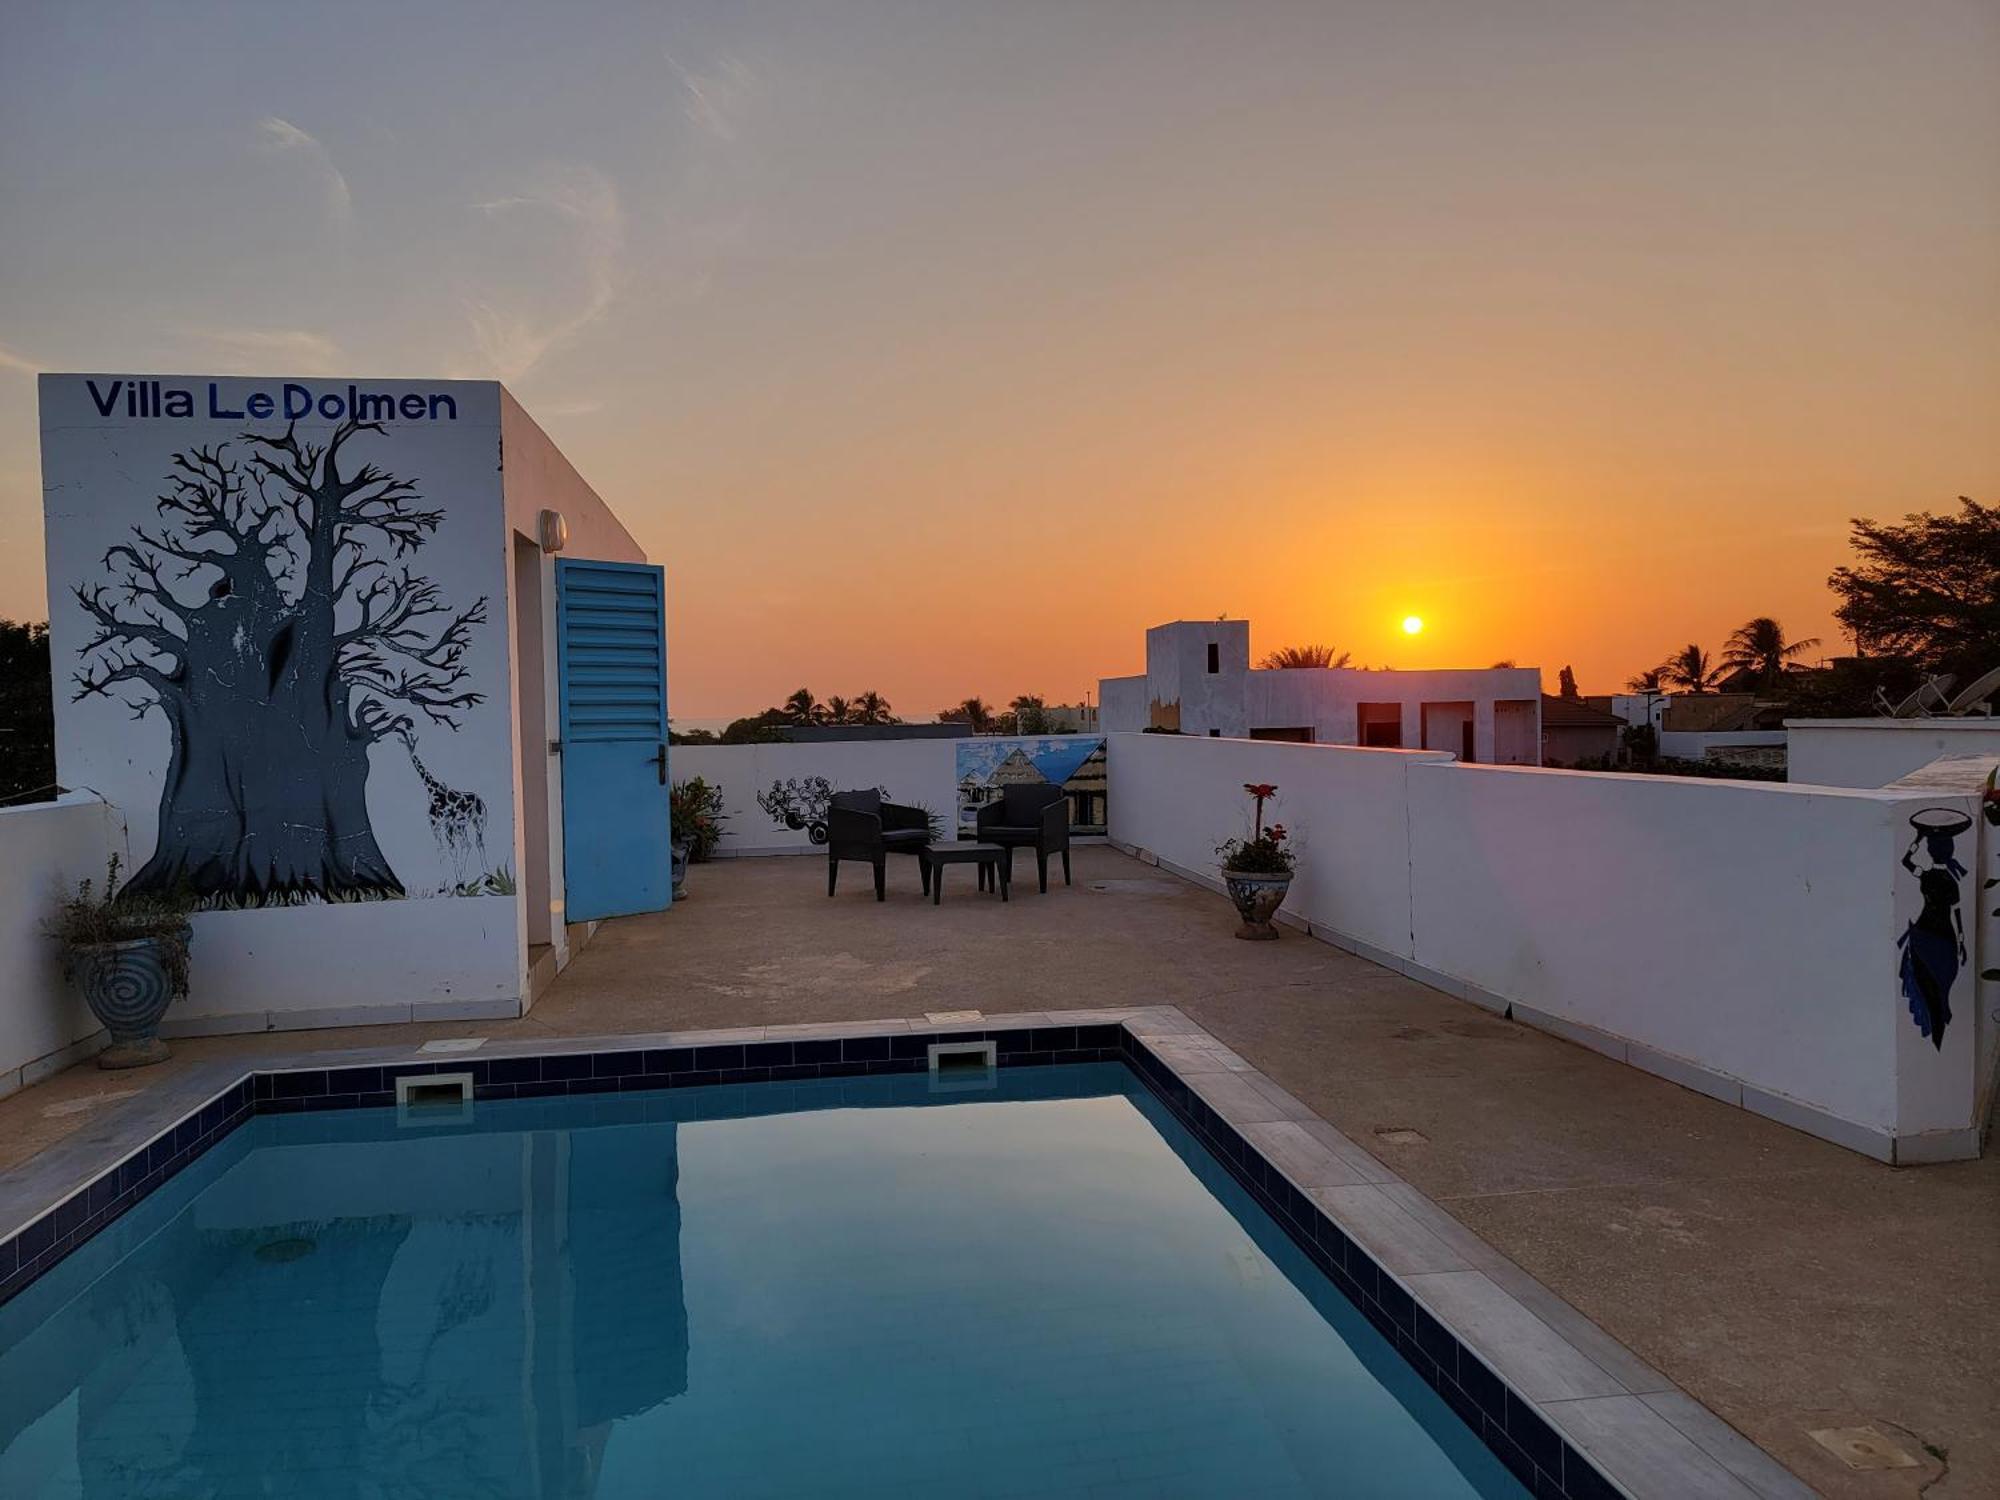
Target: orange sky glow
point(941, 351)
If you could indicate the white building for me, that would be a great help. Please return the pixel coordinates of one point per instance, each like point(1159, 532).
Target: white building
point(315, 647)
point(1199, 680)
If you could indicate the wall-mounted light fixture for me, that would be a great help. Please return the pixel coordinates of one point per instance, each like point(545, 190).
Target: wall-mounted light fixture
point(555, 531)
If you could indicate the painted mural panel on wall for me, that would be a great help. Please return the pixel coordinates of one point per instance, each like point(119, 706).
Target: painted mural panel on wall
point(296, 613)
point(1076, 763)
point(1933, 944)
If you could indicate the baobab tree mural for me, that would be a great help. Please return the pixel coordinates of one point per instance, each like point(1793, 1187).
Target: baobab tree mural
point(271, 619)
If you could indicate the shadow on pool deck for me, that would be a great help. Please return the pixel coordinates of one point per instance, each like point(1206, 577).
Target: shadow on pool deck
point(1787, 1283)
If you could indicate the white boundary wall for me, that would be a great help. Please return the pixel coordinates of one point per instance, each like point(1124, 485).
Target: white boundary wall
point(919, 772)
point(1739, 938)
point(1875, 752)
point(49, 847)
point(922, 773)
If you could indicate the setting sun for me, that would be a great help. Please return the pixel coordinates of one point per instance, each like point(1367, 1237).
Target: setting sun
point(1413, 625)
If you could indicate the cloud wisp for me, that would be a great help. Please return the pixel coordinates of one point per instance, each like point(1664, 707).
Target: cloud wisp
point(271, 351)
point(511, 341)
point(282, 136)
point(715, 98)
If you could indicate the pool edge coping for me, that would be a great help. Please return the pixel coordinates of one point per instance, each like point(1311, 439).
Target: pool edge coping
point(1631, 1424)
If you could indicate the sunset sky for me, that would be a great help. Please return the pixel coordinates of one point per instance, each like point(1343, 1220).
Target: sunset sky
point(941, 348)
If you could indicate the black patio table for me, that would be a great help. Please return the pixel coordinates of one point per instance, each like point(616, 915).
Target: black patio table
point(995, 865)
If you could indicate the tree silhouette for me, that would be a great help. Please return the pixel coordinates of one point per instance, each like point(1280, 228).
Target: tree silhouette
point(1567, 687)
point(801, 708)
point(1759, 649)
point(1927, 589)
point(258, 621)
point(1291, 658)
point(872, 708)
point(1691, 670)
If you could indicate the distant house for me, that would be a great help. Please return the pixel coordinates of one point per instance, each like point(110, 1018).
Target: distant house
point(1198, 680)
point(1574, 731)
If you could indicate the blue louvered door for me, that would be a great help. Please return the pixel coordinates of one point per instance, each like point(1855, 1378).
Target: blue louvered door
point(612, 669)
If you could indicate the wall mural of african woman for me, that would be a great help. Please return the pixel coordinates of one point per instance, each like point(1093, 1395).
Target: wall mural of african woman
point(1933, 945)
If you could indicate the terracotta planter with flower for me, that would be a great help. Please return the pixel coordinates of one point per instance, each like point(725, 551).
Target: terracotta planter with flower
point(1257, 871)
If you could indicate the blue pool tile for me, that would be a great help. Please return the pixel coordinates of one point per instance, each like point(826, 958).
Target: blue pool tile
point(566, 1066)
point(617, 1064)
point(1437, 1343)
point(298, 1085)
point(1011, 1043)
point(1511, 1453)
point(816, 1050)
point(916, 1044)
point(669, 1059)
point(727, 1056)
point(1581, 1481)
point(1396, 1302)
point(512, 1070)
point(1053, 1038)
point(767, 1055)
point(354, 1080)
point(865, 1049)
point(1537, 1439)
point(1483, 1386)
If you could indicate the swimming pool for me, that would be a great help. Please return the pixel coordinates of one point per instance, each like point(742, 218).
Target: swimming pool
point(1040, 1284)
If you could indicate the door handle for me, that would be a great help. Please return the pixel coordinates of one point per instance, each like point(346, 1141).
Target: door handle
point(660, 760)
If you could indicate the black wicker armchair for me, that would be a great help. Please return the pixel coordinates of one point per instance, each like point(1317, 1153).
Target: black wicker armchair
point(1029, 817)
point(861, 826)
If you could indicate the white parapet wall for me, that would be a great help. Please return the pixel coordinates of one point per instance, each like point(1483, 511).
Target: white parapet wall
point(50, 846)
point(1346, 810)
point(1875, 752)
point(1741, 938)
point(773, 795)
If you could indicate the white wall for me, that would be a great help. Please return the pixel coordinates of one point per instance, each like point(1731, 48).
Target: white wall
point(1344, 807)
point(1694, 744)
point(1875, 752)
point(1748, 927)
point(1738, 937)
point(315, 963)
point(535, 476)
point(49, 847)
point(1121, 703)
point(922, 772)
point(918, 772)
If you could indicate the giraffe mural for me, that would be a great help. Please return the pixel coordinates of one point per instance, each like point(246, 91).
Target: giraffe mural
point(457, 819)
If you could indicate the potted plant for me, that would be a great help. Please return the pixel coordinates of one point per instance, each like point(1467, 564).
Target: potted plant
point(129, 956)
point(696, 809)
point(1257, 871)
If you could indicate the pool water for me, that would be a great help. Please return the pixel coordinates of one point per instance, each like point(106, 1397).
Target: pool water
point(867, 1287)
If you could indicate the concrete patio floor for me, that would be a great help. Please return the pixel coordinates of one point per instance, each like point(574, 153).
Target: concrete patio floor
point(1789, 1284)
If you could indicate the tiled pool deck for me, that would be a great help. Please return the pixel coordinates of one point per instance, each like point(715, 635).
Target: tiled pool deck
point(1773, 1276)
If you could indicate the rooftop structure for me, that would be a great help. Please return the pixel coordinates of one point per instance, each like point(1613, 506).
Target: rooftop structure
point(1198, 680)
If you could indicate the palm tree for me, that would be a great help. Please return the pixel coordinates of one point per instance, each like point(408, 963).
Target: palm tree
point(872, 708)
point(1759, 648)
point(1030, 714)
point(1691, 669)
point(801, 708)
point(1648, 681)
point(1287, 658)
point(977, 715)
point(839, 711)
